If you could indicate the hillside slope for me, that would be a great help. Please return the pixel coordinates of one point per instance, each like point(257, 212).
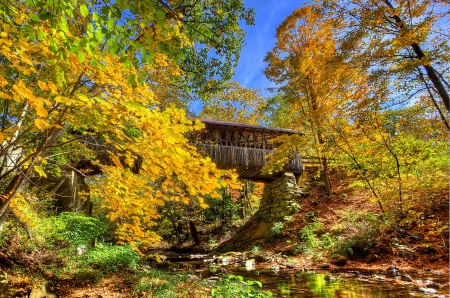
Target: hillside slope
point(348, 228)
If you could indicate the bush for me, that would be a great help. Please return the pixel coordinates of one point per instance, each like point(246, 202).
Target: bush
point(79, 229)
point(354, 236)
point(108, 257)
point(155, 283)
point(313, 239)
point(276, 230)
point(236, 286)
point(358, 231)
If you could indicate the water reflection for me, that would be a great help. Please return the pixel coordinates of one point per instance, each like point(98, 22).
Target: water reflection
point(314, 285)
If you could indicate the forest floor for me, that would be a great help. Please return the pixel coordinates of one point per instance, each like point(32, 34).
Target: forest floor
point(422, 246)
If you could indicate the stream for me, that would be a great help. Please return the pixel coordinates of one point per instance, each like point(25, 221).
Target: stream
point(313, 283)
point(322, 283)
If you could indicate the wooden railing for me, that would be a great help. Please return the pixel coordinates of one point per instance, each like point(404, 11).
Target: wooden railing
point(230, 156)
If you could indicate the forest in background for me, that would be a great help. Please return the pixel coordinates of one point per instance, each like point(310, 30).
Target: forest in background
point(367, 81)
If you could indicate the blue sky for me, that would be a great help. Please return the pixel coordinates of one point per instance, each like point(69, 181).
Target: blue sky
point(259, 40)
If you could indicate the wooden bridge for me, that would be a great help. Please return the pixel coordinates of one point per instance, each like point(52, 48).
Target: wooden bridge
point(243, 147)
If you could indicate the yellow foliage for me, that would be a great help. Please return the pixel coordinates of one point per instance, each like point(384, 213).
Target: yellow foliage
point(50, 94)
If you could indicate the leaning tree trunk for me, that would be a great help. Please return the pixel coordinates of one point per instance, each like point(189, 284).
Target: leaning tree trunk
point(434, 77)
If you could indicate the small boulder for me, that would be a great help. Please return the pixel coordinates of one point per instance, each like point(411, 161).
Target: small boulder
point(432, 285)
point(323, 266)
point(339, 260)
point(226, 261)
point(250, 264)
point(406, 277)
point(427, 290)
point(392, 271)
point(379, 278)
point(330, 278)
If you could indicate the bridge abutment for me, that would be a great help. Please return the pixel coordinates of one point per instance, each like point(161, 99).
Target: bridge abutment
point(281, 198)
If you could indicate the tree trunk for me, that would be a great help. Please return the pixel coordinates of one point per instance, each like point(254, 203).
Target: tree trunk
point(194, 233)
point(326, 177)
point(326, 171)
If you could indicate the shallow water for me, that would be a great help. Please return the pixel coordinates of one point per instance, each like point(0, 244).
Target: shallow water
point(313, 283)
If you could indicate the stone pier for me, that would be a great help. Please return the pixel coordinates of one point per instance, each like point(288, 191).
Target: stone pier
point(281, 197)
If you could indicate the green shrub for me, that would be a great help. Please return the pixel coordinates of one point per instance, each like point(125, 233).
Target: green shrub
point(108, 257)
point(69, 229)
point(79, 229)
point(354, 236)
point(309, 235)
point(155, 283)
point(236, 286)
point(276, 230)
point(358, 231)
point(256, 249)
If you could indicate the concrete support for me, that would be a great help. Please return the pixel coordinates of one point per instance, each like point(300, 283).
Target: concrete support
point(281, 198)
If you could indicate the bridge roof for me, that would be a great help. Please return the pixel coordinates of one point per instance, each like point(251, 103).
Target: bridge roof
point(211, 123)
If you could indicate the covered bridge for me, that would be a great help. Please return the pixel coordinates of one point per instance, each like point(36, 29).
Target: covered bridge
point(243, 147)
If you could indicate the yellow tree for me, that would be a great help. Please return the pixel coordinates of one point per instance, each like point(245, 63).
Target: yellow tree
point(234, 103)
point(62, 84)
point(316, 82)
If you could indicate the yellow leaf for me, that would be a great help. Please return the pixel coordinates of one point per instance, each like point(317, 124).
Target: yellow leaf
point(41, 112)
point(1, 138)
point(4, 34)
point(41, 123)
point(43, 86)
point(61, 99)
point(3, 82)
point(5, 95)
point(85, 99)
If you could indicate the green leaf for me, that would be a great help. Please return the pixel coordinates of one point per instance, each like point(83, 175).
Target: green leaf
point(84, 10)
point(44, 15)
point(35, 18)
point(131, 79)
point(181, 55)
point(81, 56)
point(63, 24)
point(160, 15)
point(63, 36)
point(104, 10)
point(99, 35)
point(93, 62)
point(40, 35)
point(90, 27)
